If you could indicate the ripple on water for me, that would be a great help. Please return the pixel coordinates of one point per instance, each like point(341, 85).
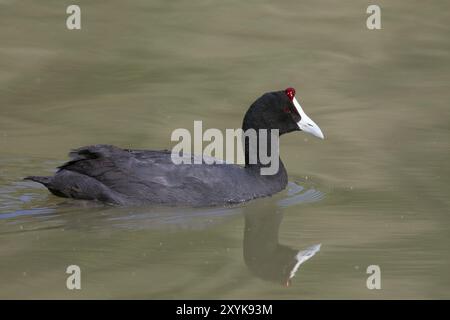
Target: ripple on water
point(298, 194)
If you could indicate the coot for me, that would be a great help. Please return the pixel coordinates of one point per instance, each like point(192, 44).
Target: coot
point(113, 175)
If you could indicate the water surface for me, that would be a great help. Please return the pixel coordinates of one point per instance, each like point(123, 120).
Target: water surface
point(376, 191)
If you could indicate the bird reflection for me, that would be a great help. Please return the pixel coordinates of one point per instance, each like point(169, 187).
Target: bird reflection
point(264, 255)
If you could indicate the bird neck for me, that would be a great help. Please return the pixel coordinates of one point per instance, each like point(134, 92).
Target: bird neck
point(261, 148)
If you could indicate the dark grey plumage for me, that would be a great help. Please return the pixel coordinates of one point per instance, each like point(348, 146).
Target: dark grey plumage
point(135, 177)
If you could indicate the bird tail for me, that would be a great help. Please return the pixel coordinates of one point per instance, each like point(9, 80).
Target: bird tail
point(44, 180)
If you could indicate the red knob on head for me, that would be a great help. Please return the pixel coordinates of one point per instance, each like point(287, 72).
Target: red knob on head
point(290, 92)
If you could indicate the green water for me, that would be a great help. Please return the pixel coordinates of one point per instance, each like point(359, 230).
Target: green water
point(374, 192)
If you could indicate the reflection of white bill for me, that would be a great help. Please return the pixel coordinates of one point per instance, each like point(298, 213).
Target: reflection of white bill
point(304, 255)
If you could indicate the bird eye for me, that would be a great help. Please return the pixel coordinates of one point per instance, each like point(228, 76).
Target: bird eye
point(286, 110)
point(290, 92)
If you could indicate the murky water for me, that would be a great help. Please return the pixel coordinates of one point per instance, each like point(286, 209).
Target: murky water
point(375, 192)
